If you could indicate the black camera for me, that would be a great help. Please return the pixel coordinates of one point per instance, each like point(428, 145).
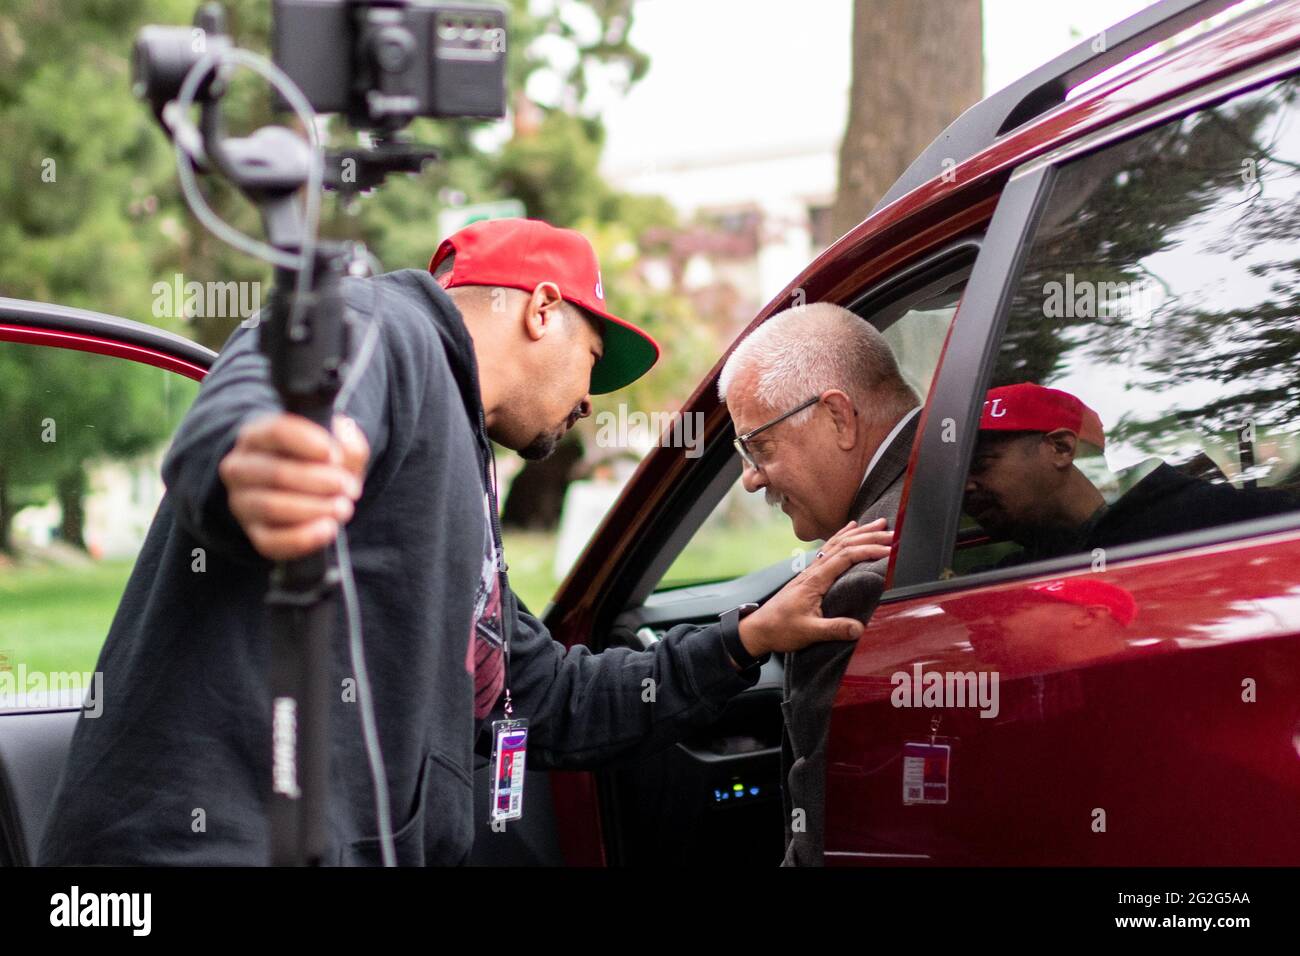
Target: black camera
point(382, 62)
point(379, 62)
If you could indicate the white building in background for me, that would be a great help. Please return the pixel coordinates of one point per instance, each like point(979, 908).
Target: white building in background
point(737, 124)
point(774, 199)
point(121, 500)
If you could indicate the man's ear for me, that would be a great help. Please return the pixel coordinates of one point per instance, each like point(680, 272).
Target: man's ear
point(1063, 444)
point(1091, 616)
point(543, 311)
point(843, 416)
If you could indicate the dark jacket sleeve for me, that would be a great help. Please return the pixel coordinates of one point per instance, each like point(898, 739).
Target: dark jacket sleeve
point(812, 679)
point(237, 389)
point(855, 593)
point(586, 709)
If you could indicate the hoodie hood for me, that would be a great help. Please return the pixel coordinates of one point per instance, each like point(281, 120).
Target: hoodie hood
point(419, 288)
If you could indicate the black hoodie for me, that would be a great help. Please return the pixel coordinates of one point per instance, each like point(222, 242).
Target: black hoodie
point(176, 770)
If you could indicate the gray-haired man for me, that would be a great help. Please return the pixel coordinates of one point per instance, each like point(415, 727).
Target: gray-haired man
point(824, 424)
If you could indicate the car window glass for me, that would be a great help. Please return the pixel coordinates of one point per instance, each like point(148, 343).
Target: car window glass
point(84, 436)
point(743, 533)
point(1146, 381)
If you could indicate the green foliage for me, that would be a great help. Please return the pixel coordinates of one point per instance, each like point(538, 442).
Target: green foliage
point(689, 346)
point(61, 409)
point(91, 213)
point(54, 619)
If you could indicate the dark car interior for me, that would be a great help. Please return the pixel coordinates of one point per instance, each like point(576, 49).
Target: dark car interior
point(32, 750)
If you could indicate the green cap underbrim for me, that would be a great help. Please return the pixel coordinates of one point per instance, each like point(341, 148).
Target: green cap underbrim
point(629, 354)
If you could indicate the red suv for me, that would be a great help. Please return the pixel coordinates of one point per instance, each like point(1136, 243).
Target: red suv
point(1124, 237)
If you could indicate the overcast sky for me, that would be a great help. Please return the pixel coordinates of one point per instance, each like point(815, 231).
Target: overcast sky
point(737, 76)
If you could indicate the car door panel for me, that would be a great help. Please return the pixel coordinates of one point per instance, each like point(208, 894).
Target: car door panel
point(1177, 746)
point(716, 794)
point(1159, 743)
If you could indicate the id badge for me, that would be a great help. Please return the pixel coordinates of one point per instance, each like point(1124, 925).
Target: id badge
point(509, 744)
point(925, 772)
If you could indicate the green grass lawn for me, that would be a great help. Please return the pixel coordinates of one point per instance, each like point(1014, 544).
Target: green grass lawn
point(55, 619)
point(531, 557)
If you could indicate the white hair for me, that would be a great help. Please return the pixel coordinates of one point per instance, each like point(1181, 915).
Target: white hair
point(809, 349)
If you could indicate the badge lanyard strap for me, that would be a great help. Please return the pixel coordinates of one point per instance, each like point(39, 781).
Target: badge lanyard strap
point(502, 567)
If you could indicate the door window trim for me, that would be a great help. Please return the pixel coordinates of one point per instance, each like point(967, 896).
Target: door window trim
point(1192, 101)
point(61, 326)
point(932, 498)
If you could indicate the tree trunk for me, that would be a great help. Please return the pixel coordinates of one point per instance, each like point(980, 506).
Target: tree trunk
point(537, 494)
point(917, 65)
point(72, 492)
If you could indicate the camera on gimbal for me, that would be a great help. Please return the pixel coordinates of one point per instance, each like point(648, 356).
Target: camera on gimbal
point(435, 59)
point(380, 63)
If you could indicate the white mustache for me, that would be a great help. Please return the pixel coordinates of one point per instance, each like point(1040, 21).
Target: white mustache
point(773, 498)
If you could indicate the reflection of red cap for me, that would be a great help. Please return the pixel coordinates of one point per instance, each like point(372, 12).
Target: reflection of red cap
point(1082, 592)
point(520, 253)
point(1089, 592)
point(1032, 408)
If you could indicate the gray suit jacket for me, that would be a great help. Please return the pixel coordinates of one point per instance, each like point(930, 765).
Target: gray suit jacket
point(812, 675)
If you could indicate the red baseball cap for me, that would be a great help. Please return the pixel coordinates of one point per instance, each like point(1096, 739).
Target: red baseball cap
point(520, 253)
point(1090, 592)
point(1033, 408)
point(1082, 592)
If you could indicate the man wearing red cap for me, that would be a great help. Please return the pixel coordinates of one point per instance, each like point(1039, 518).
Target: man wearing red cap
point(1024, 486)
point(506, 339)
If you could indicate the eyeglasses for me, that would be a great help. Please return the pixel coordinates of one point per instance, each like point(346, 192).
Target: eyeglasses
point(747, 455)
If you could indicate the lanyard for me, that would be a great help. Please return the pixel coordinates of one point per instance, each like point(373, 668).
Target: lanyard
point(490, 477)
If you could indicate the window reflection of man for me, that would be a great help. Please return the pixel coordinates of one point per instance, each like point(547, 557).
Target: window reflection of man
point(1025, 484)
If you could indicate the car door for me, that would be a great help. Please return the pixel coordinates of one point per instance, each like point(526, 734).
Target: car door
point(1128, 694)
point(86, 404)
